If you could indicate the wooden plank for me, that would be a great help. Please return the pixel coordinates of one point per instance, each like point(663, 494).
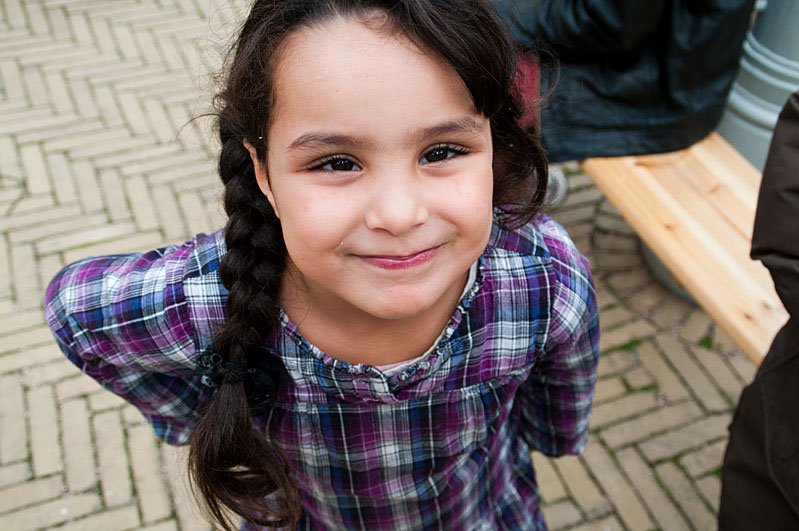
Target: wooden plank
point(695, 209)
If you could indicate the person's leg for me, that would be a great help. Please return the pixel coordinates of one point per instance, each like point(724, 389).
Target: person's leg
point(759, 476)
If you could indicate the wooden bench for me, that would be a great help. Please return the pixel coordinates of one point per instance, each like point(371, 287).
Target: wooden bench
point(695, 209)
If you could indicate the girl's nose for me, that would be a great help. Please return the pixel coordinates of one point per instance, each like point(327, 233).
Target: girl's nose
point(397, 205)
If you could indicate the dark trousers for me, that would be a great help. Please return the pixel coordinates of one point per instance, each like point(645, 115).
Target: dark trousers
point(760, 477)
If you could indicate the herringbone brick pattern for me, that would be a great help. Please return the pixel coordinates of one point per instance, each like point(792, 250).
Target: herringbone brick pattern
point(98, 155)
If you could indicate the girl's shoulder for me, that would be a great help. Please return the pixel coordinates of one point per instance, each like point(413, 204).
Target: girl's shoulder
point(168, 300)
point(544, 240)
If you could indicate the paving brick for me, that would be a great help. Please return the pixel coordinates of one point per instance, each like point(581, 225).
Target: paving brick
point(171, 165)
point(131, 415)
point(616, 362)
point(113, 193)
point(79, 385)
point(567, 217)
point(631, 280)
point(80, 238)
point(14, 13)
point(29, 493)
point(683, 492)
point(672, 312)
point(19, 320)
point(723, 340)
point(691, 436)
point(24, 280)
point(134, 242)
point(145, 464)
point(665, 513)
point(49, 373)
point(627, 406)
point(608, 389)
point(105, 99)
point(16, 473)
point(669, 384)
point(618, 261)
point(611, 223)
point(638, 378)
point(61, 177)
point(581, 196)
point(686, 366)
point(606, 241)
point(696, 326)
point(70, 219)
point(612, 318)
point(80, 465)
point(141, 203)
point(561, 514)
point(114, 470)
point(12, 77)
point(169, 213)
point(625, 501)
point(583, 489)
point(36, 217)
point(648, 299)
point(710, 487)
point(133, 114)
point(51, 513)
point(746, 369)
point(549, 483)
point(86, 184)
point(13, 436)
point(59, 24)
point(59, 94)
point(45, 447)
point(704, 460)
point(118, 519)
point(189, 514)
point(611, 523)
point(720, 372)
point(170, 525)
point(194, 212)
point(103, 401)
point(30, 203)
point(635, 330)
point(5, 270)
point(25, 339)
point(34, 86)
point(645, 426)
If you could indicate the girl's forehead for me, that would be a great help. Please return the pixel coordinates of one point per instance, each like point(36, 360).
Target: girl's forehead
point(343, 70)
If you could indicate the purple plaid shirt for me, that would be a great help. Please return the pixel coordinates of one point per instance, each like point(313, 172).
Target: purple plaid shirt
point(442, 444)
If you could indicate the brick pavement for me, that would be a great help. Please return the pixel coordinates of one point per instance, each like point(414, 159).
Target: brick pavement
point(97, 156)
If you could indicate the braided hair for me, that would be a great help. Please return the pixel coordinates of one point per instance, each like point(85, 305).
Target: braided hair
point(234, 466)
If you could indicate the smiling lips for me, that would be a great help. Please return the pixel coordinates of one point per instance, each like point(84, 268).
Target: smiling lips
point(394, 262)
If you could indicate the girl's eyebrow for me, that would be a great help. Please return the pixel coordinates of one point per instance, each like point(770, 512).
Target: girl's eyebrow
point(317, 139)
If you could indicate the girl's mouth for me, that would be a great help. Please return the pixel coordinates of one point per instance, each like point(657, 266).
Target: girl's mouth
point(393, 262)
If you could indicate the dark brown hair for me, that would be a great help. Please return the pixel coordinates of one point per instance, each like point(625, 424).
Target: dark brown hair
point(232, 463)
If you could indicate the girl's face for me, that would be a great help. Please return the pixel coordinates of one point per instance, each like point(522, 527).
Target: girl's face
point(380, 171)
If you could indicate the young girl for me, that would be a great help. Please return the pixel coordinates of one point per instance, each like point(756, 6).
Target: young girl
point(385, 328)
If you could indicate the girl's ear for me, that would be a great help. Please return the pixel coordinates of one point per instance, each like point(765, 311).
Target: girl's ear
point(261, 177)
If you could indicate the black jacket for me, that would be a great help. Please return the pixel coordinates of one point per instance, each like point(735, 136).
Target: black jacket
point(634, 76)
point(760, 476)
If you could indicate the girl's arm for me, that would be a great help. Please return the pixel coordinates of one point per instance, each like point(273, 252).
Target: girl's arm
point(555, 401)
point(124, 320)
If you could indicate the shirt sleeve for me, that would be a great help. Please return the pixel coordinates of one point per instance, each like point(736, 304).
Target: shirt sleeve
point(124, 320)
point(556, 398)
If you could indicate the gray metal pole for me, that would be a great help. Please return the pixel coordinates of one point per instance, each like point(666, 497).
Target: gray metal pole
point(769, 73)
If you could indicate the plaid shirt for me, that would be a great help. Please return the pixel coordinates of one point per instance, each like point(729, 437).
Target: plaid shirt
point(442, 444)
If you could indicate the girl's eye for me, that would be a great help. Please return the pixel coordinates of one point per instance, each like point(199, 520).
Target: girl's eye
point(336, 164)
point(442, 152)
